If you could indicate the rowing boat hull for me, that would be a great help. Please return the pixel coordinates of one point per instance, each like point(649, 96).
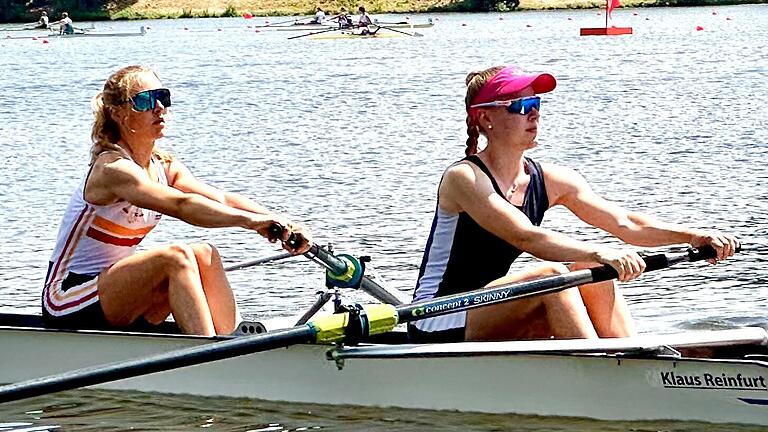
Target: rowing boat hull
point(346, 35)
point(142, 32)
point(316, 27)
point(491, 378)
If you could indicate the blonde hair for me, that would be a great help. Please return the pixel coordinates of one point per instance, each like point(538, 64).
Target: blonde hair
point(105, 133)
point(474, 82)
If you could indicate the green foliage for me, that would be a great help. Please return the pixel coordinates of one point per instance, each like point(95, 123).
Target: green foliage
point(230, 11)
point(506, 5)
point(14, 11)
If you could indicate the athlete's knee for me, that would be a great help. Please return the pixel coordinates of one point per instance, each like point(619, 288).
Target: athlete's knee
point(179, 257)
point(554, 269)
point(205, 252)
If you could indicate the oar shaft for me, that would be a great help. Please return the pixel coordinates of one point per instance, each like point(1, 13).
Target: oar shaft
point(518, 290)
point(314, 33)
point(334, 264)
point(259, 261)
point(161, 362)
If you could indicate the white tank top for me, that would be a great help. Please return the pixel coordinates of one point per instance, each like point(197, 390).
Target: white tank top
point(91, 239)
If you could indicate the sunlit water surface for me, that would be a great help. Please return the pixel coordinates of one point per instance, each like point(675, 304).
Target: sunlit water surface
point(351, 137)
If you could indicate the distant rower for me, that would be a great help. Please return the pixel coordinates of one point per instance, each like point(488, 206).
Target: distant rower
point(43, 22)
point(66, 24)
point(364, 20)
point(343, 19)
point(319, 16)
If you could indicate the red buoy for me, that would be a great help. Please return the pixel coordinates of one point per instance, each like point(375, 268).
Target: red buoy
point(247, 15)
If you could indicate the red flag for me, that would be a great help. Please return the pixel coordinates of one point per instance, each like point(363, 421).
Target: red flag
point(610, 5)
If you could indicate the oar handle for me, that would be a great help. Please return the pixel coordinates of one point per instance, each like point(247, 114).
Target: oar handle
point(660, 261)
point(275, 232)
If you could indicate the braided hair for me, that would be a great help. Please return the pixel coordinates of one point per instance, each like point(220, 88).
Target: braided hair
point(474, 82)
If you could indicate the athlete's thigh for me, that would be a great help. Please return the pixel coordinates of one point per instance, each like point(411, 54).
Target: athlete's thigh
point(129, 287)
point(508, 313)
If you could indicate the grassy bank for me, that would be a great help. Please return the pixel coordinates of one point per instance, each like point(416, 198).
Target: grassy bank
point(155, 9)
point(210, 8)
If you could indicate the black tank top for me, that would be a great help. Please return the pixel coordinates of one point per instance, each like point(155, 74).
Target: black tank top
point(461, 255)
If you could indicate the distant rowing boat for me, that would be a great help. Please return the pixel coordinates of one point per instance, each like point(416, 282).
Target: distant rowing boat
point(141, 32)
point(351, 35)
point(44, 29)
point(316, 27)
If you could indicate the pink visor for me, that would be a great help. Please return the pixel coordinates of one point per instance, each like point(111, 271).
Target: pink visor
point(508, 82)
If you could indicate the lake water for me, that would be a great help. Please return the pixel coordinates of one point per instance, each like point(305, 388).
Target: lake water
point(351, 137)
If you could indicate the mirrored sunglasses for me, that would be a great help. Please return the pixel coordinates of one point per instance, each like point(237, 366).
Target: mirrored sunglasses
point(147, 100)
point(521, 106)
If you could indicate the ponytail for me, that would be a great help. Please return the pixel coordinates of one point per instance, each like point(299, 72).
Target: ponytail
point(474, 82)
point(473, 132)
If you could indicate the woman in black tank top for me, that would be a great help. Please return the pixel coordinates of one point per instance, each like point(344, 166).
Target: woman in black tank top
point(490, 206)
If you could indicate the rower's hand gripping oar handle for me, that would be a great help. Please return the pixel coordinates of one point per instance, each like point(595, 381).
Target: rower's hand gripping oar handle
point(342, 270)
point(275, 232)
point(658, 262)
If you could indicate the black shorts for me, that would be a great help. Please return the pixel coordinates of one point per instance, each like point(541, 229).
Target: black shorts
point(92, 316)
point(442, 336)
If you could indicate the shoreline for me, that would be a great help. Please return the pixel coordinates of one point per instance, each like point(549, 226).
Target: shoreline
point(170, 9)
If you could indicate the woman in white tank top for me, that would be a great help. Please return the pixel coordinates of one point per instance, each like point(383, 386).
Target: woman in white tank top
point(96, 279)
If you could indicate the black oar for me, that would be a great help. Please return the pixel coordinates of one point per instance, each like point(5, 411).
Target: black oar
point(357, 324)
point(317, 32)
point(282, 22)
point(344, 271)
point(260, 261)
point(416, 34)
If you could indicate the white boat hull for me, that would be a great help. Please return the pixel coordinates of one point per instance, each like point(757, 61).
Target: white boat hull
point(317, 27)
point(490, 378)
point(142, 31)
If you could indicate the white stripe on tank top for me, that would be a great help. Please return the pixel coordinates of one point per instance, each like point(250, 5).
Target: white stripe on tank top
point(437, 263)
